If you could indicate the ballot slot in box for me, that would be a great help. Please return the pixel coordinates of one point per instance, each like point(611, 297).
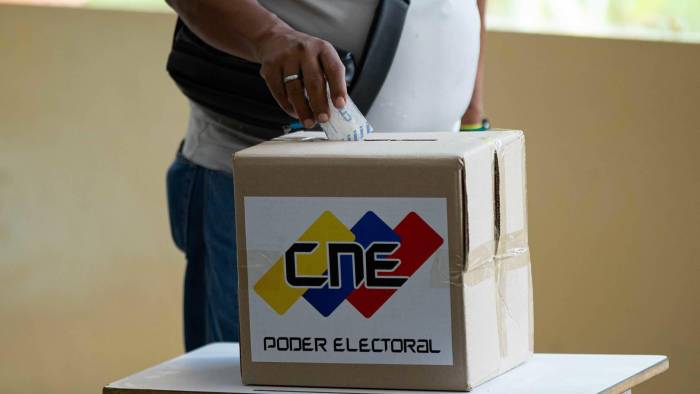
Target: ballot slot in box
point(398, 262)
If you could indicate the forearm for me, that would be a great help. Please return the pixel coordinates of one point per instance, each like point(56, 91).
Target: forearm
point(235, 27)
point(246, 29)
point(477, 95)
point(474, 112)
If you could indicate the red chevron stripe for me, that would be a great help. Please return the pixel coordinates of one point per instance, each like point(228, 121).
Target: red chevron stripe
point(418, 242)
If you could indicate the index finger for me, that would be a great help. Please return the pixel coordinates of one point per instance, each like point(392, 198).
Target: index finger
point(335, 74)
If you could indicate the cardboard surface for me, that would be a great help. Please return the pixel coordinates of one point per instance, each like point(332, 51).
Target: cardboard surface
point(397, 262)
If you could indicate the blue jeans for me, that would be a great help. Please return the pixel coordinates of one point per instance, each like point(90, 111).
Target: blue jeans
point(201, 209)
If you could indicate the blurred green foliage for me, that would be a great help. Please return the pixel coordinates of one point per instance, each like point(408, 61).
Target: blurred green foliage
point(646, 18)
point(141, 5)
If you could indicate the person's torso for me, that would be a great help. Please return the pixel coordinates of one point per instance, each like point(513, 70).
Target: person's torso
point(428, 86)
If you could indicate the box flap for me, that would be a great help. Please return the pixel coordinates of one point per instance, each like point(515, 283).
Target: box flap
point(307, 145)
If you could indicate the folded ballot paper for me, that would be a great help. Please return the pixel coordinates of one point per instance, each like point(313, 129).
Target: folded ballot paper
point(346, 124)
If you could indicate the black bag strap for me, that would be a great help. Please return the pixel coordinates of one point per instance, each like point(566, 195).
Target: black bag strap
point(378, 56)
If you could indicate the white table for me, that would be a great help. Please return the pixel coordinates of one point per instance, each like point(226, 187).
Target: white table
point(215, 369)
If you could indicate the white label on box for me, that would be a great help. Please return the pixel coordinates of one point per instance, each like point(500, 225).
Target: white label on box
point(348, 280)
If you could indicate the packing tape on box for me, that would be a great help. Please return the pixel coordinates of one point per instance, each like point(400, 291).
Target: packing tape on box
point(508, 252)
point(440, 270)
point(513, 250)
point(483, 266)
point(481, 255)
point(514, 257)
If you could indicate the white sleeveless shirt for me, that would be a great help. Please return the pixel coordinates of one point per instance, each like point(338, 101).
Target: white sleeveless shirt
point(430, 83)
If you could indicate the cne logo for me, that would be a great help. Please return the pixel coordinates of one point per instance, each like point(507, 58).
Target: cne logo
point(365, 265)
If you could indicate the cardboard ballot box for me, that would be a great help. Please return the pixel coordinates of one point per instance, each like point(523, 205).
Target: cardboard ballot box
point(397, 262)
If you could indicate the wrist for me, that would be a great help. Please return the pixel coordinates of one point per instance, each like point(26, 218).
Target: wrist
point(483, 125)
point(474, 120)
point(474, 114)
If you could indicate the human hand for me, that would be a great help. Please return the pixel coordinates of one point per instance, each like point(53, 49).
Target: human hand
point(285, 52)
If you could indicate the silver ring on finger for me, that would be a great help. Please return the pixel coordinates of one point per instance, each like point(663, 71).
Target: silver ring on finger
point(292, 77)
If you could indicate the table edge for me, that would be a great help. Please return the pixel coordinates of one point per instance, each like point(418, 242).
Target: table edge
point(639, 378)
point(654, 370)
